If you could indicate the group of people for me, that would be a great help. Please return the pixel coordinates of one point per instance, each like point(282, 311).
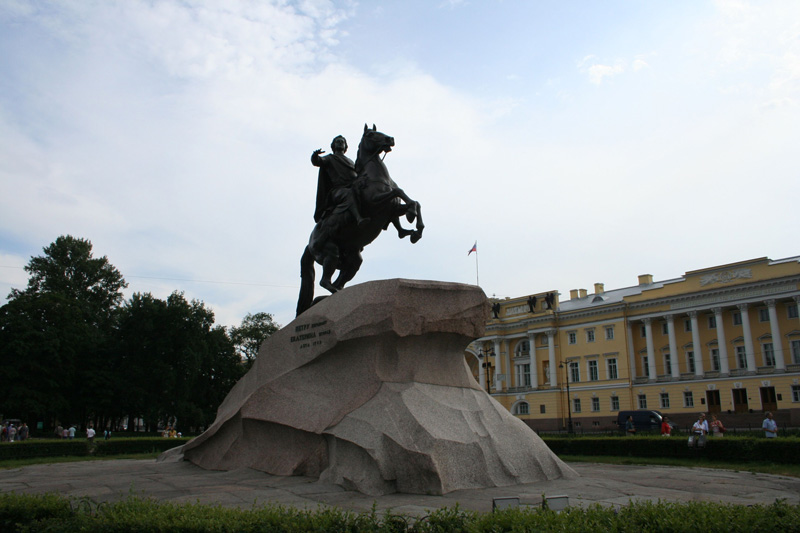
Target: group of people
point(10, 432)
point(701, 429)
point(171, 432)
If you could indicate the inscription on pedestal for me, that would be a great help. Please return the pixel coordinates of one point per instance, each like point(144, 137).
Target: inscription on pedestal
point(311, 334)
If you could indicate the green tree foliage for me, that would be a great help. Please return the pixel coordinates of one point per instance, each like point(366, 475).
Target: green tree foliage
point(247, 338)
point(174, 363)
point(55, 335)
point(72, 351)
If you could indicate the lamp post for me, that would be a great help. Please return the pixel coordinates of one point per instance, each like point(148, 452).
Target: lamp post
point(569, 407)
point(487, 365)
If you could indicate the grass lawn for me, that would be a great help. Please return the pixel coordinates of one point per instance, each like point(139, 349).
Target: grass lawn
point(759, 467)
point(16, 463)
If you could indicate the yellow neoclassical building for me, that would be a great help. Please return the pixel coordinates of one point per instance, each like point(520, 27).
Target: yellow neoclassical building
point(723, 340)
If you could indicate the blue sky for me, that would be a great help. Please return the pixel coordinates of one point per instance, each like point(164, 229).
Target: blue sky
point(577, 142)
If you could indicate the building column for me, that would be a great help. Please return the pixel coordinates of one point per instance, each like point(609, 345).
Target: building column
point(551, 351)
point(777, 341)
point(651, 358)
point(497, 361)
point(507, 362)
point(481, 369)
point(532, 356)
point(673, 348)
point(696, 347)
point(750, 353)
point(724, 367)
point(631, 353)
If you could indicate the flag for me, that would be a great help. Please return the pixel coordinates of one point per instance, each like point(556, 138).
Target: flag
point(474, 248)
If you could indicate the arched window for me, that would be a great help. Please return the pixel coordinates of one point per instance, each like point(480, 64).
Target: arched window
point(523, 348)
point(521, 408)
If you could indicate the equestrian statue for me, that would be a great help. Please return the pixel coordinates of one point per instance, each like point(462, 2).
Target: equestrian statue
point(355, 202)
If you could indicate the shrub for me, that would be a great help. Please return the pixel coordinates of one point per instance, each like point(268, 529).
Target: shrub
point(43, 448)
point(135, 445)
point(22, 513)
point(734, 449)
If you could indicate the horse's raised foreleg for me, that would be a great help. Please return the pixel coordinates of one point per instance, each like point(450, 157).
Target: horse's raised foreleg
point(401, 231)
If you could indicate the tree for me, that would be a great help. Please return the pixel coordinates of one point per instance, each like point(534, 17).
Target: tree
point(248, 337)
point(55, 334)
point(68, 269)
point(176, 364)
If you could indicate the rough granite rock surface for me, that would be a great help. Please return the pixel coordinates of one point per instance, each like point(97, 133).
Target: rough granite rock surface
point(369, 389)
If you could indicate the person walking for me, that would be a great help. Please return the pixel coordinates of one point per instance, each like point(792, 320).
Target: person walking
point(630, 429)
point(717, 428)
point(770, 427)
point(666, 429)
point(699, 432)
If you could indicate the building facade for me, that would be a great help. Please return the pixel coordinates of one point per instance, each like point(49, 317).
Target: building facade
point(722, 340)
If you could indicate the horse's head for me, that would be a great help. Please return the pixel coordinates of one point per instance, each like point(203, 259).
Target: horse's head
point(373, 143)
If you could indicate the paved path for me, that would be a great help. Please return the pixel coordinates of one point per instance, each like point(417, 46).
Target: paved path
point(184, 482)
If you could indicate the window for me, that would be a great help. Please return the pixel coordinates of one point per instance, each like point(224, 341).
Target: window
point(615, 403)
point(763, 315)
point(667, 363)
point(715, 359)
point(576, 405)
point(769, 354)
point(521, 408)
point(796, 393)
point(593, 374)
point(589, 335)
point(644, 332)
point(737, 318)
point(646, 366)
point(542, 409)
point(523, 375)
point(572, 337)
point(712, 322)
point(611, 366)
point(791, 309)
point(642, 401)
point(664, 328)
point(741, 357)
point(596, 404)
point(545, 340)
point(687, 325)
point(574, 372)
point(523, 348)
point(609, 333)
point(665, 400)
point(795, 348)
point(690, 361)
point(688, 399)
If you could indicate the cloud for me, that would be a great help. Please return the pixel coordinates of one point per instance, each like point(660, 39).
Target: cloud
point(597, 72)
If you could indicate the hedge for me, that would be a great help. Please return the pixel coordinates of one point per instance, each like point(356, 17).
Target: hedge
point(27, 513)
point(63, 448)
point(735, 449)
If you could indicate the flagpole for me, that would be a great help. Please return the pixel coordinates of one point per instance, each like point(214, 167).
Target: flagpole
point(477, 277)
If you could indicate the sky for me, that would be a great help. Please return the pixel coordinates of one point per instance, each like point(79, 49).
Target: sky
point(576, 142)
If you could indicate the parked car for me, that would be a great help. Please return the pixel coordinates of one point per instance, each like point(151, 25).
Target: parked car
point(645, 421)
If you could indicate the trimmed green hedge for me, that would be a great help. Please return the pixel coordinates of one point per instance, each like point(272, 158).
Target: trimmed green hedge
point(137, 445)
point(736, 449)
point(78, 448)
point(28, 513)
point(43, 448)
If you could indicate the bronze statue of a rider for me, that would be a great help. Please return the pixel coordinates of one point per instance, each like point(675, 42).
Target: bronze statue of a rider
point(335, 193)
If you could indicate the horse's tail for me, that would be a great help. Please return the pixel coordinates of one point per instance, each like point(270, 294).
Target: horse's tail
point(307, 275)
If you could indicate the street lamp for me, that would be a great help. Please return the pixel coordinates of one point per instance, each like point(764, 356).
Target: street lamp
point(569, 407)
point(487, 366)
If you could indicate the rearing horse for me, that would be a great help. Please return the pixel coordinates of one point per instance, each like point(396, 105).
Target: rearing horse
point(337, 241)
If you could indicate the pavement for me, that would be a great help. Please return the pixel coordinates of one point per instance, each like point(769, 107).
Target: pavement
point(613, 485)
